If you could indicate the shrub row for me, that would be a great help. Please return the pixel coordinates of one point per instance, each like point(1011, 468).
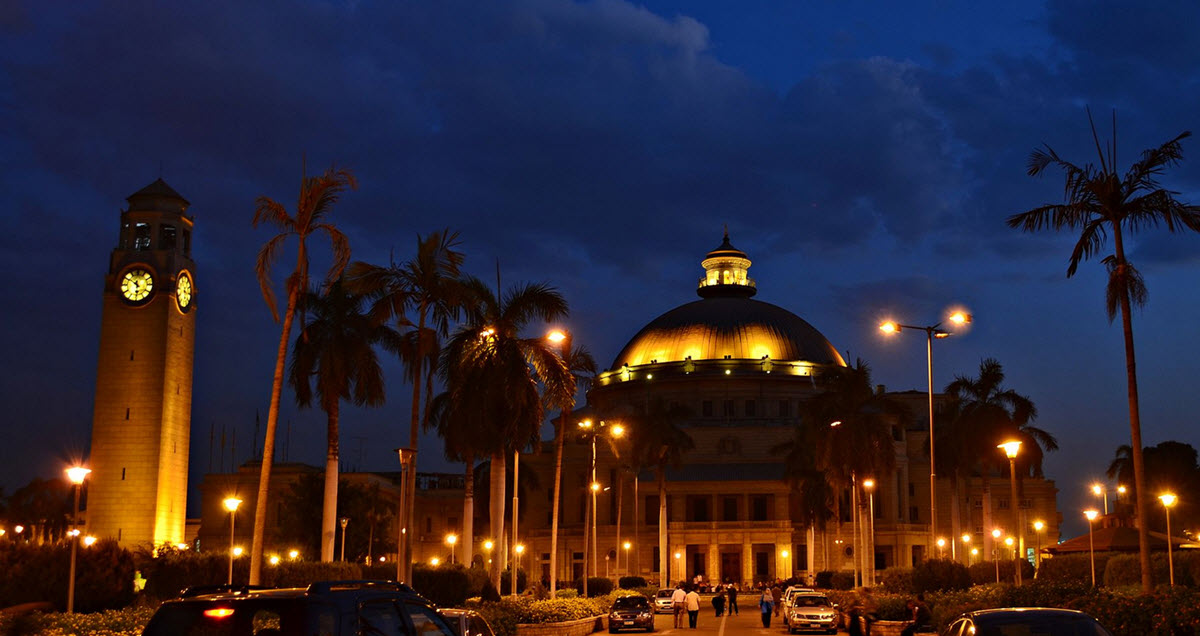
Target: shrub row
point(104, 575)
point(505, 614)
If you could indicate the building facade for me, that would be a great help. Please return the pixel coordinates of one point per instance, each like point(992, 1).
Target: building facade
point(741, 369)
point(137, 491)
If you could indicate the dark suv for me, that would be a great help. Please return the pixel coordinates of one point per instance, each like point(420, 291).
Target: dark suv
point(331, 608)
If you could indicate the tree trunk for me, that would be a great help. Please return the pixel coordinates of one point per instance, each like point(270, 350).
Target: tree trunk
point(414, 424)
point(956, 516)
point(329, 506)
point(268, 456)
point(496, 515)
point(468, 524)
point(620, 503)
point(663, 556)
point(558, 456)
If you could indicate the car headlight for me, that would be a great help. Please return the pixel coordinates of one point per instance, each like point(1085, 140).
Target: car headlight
point(644, 615)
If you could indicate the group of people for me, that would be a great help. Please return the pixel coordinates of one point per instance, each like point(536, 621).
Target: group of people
point(686, 598)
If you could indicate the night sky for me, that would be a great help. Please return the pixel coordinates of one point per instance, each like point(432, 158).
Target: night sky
point(865, 157)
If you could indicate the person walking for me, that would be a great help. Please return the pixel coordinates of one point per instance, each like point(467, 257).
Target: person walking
point(719, 602)
point(766, 605)
point(777, 597)
point(732, 591)
point(693, 606)
point(678, 598)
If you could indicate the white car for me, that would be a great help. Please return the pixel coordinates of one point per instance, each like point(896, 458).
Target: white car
point(786, 599)
point(662, 601)
point(810, 612)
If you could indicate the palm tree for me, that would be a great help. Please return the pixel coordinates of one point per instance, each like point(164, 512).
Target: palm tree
point(336, 349)
point(816, 498)
point(658, 440)
point(582, 368)
point(459, 445)
point(1100, 202)
point(428, 285)
point(979, 414)
point(492, 375)
point(315, 202)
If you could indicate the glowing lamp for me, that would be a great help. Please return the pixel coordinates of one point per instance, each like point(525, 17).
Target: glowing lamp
point(1091, 514)
point(76, 474)
point(231, 503)
point(1011, 448)
point(1168, 499)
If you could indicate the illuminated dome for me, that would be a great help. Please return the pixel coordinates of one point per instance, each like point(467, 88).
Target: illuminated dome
point(727, 324)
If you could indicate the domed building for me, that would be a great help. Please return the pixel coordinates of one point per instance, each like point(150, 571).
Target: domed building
point(733, 372)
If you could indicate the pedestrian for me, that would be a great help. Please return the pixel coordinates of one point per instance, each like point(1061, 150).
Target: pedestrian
point(920, 616)
point(693, 606)
point(678, 598)
point(719, 602)
point(777, 596)
point(732, 591)
point(766, 605)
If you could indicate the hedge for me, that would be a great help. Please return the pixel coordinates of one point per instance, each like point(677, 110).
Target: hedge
point(631, 582)
point(104, 575)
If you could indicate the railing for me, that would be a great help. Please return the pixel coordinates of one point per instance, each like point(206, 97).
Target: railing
point(783, 524)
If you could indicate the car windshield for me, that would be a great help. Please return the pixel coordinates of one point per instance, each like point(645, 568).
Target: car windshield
point(1069, 625)
point(665, 593)
point(810, 601)
point(629, 602)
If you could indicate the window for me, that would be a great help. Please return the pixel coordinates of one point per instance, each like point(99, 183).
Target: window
point(428, 525)
point(785, 409)
point(699, 506)
point(727, 408)
point(124, 236)
point(914, 515)
point(912, 489)
point(706, 408)
point(1002, 504)
point(750, 408)
point(729, 504)
point(760, 564)
point(652, 510)
point(187, 242)
point(654, 559)
point(380, 618)
point(758, 508)
point(141, 237)
point(166, 237)
point(427, 622)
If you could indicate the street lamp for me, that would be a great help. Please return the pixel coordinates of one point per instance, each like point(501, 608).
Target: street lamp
point(931, 332)
point(678, 565)
point(76, 475)
point(1091, 516)
point(1038, 527)
point(452, 541)
point(626, 547)
point(293, 554)
point(519, 549)
point(231, 504)
point(941, 544)
point(996, 551)
point(1011, 448)
point(869, 552)
point(344, 521)
point(966, 539)
point(563, 340)
point(1099, 490)
point(1168, 499)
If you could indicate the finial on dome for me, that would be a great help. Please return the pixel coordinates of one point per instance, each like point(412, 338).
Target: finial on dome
point(725, 272)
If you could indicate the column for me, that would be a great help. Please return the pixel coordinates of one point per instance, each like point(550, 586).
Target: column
point(747, 561)
point(714, 560)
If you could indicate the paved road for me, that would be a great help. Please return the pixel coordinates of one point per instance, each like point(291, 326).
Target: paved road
point(709, 625)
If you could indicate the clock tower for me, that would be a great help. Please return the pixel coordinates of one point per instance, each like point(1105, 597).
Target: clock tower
point(137, 490)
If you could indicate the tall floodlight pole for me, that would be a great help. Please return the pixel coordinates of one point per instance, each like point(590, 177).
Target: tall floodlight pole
point(1091, 516)
point(1168, 500)
point(931, 332)
point(231, 504)
point(1011, 448)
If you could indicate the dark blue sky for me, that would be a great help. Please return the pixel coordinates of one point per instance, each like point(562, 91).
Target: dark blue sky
point(864, 157)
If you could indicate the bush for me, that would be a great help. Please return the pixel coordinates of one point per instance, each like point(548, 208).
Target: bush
point(568, 592)
point(1074, 567)
point(824, 580)
point(896, 580)
point(843, 580)
point(985, 572)
point(1126, 570)
point(597, 586)
point(447, 586)
point(103, 577)
point(892, 607)
point(172, 571)
point(939, 574)
point(506, 614)
point(124, 622)
point(506, 581)
point(631, 582)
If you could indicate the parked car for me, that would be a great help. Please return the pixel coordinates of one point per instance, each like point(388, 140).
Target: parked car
point(662, 601)
point(631, 612)
point(791, 591)
point(1027, 621)
point(329, 608)
point(467, 622)
point(809, 611)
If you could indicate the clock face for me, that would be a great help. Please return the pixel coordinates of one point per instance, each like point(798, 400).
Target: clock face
point(183, 291)
point(136, 285)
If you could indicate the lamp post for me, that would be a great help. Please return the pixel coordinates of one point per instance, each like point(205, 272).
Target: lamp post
point(966, 539)
point(563, 339)
point(1091, 516)
point(76, 475)
point(452, 541)
point(931, 332)
point(408, 461)
point(1100, 491)
point(678, 566)
point(488, 544)
point(231, 504)
point(344, 521)
point(1168, 499)
point(1038, 527)
point(941, 545)
point(625, 546)
point(996, 551)
point(519, 549)
point(869, 548)
point(1011, 448)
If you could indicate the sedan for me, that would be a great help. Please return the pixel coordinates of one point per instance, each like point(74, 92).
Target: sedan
point(467, 622)
point(1027, 621)
point(631, 612)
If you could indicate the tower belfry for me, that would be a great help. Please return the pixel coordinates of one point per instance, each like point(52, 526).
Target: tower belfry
point(141, 421)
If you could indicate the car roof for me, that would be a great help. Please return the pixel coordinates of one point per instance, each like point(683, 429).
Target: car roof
point(1000, 613)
